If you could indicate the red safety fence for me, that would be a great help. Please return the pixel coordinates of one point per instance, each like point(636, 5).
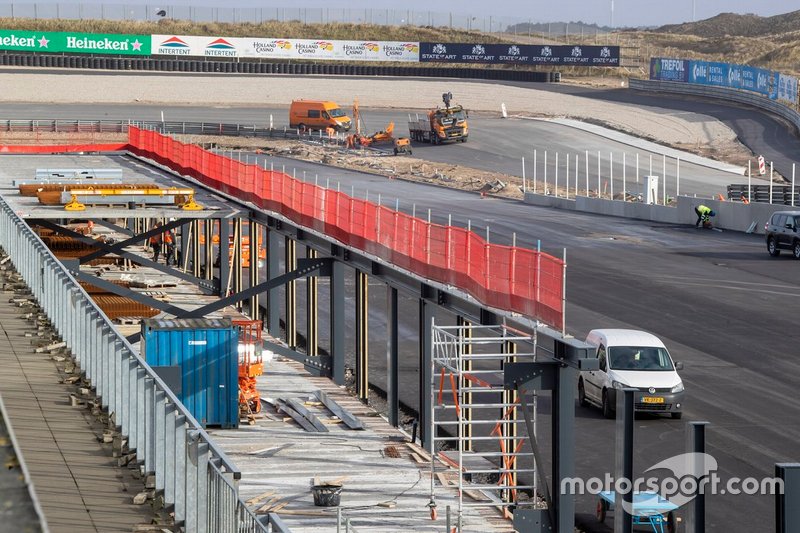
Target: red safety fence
point(505, 277)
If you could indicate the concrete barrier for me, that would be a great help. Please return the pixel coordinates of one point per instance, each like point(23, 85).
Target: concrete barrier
point(733, 216)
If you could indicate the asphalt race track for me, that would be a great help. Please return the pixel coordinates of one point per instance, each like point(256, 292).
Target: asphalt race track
point(720, 303)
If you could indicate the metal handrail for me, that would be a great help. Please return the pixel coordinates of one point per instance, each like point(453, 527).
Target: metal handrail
point(142, 405)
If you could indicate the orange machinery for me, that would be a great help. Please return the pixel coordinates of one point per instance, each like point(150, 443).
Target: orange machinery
point(262, 253)
point(250, 365)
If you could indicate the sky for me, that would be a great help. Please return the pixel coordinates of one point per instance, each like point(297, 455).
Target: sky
point(625, 12)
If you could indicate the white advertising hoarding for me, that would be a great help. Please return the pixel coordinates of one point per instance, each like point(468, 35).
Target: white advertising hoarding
point(263, 48)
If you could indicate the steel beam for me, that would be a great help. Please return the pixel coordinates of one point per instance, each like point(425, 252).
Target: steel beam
point(312, 310)
point(117, 247)
point(138, 259)
point(273, 295)
point(306, 267)
point(127, 293)
point(787, 510)
point(337, 318)
point(392, 357)
point(362, 336)
point(290, 292)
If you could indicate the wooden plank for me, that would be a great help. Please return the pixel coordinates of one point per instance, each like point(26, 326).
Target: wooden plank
point(305, 413)
point(346, 416)
point(260, 497)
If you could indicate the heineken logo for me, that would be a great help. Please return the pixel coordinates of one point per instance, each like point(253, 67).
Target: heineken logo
point(31, 41)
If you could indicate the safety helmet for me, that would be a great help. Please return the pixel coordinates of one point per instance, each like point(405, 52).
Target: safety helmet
point(713, 213)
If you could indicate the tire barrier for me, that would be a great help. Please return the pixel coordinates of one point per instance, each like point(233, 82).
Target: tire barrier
point(251, 67)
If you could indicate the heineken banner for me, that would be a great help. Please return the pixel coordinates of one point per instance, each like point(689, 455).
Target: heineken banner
point(265, 48)
point(523, 54)
point(81, 43)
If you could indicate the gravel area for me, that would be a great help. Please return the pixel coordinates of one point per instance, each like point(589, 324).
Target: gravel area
point(666, 126)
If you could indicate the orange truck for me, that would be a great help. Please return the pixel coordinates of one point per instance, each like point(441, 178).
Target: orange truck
point(440, 125)
point(318, 115)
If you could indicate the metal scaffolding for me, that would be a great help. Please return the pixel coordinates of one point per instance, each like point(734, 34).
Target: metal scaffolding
point(474, 418)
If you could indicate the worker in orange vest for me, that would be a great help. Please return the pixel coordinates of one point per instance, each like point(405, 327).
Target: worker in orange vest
point(155, 243)
point(169, 242)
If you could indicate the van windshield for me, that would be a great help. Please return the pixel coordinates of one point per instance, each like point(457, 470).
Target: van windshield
point(336, 112)
point(639, 358)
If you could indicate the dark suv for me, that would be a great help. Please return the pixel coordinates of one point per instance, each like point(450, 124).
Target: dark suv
point(783, 233)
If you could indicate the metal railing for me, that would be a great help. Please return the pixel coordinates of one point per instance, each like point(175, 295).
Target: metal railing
point(191, 473)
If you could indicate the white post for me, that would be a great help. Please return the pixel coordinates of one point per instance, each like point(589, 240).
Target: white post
point(599, 186)
point(555, 187)
point(611, 173)
point(587, 173)
point(523, 175)
point(576, 176)
point(534, 172)
point(770, 182)
point(664, 178)
point(677, 177)
point(567, 180)
point(651, 164)
point(624, 155)
point(544, 189)
point(749, 178)
point(637, 167)
point(793, 184)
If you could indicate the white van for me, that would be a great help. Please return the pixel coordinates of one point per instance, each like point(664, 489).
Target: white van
point(629, 358)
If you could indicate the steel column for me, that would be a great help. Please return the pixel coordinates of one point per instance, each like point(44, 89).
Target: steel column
point(510, 426)
point(695, 450)
point(208, 262)
point(273, 296)
point(392, 357)
point(337, 319)
point(362, 335)
point(290, 264)
point(425, 362)
point(466, 349)
point(255, 232)
point(564, 446)
point(238, 252)
point(623, 520)
point(196, 248)
point(312, 310)
point(787, 512)
point(224, 255)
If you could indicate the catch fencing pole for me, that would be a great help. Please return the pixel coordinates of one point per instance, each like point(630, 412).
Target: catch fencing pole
point(587, 173)
point(651, 165)
point(576, 176)
point(749, 178)
point(544, 191)
point(637, 167)
point(534, 172)
point(793, 184)
point(523, 176)
point(677, 177)
point(555, 186)
point(611, 173)
point(770, 182)
point(624, 155)
point(664, 178)
point(599, 186)
point(567, 176)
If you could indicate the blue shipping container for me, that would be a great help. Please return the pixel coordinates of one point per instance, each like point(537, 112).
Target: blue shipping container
point(205, 350)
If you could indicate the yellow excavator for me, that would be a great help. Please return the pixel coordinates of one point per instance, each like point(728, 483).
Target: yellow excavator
point(399, 144)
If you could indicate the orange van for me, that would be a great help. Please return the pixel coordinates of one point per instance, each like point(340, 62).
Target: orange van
point(317, 115)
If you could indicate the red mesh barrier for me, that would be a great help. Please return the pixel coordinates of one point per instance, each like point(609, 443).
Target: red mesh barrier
point(61, 148)
point(504, 277)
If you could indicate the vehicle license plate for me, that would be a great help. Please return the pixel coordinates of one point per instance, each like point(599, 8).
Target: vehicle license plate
point(652, 399)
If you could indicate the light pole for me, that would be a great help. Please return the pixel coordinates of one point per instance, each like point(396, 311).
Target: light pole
point(612, 14)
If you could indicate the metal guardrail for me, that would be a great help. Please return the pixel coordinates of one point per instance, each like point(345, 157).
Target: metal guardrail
point(721, 93)
point(193, 474)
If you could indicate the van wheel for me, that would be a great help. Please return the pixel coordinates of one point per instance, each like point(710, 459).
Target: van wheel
point(582, 394)
point(796, 249)
point(302, 127)
point(608, 411)
point(772, 247)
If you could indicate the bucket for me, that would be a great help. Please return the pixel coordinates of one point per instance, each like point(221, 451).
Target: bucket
point(326, 495)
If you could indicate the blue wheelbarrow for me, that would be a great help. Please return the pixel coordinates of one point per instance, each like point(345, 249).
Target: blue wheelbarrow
point(649, 508)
